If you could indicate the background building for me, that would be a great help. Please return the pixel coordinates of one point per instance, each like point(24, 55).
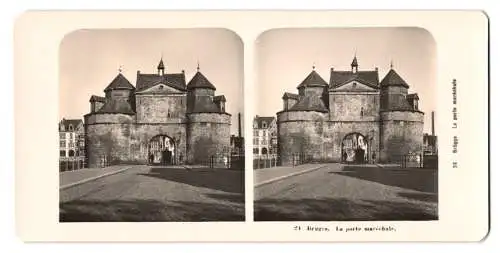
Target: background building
point(71, 144)
point(160, 120)
point(265, 137)
point(71, 138)
point(352, 118)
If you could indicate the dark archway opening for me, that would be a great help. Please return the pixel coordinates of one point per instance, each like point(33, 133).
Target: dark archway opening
point(354, 148)
point(162, 150)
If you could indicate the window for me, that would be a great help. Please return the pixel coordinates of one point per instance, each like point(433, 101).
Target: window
point(71, 153)
point(255, 132)
point(62, 144)
point(264, 125)
point(62, 136)
point(62, 153)
point(71, 144)
point(255, 150)
point(70, 127)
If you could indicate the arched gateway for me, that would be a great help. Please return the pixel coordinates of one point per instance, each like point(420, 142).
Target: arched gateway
point(162, 151)
point(354, 148)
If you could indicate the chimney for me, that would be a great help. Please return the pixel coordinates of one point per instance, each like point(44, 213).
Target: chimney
point(239, 125)
point(432, 122)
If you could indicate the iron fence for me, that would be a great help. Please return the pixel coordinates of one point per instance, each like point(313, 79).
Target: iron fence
point(71, 163)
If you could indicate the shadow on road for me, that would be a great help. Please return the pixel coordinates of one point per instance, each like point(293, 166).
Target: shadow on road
point(221, 179)
point(139, 210)
point(329, 209)
point(415, 179)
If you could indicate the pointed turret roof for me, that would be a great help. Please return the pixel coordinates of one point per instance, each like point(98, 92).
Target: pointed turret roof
point(161, 65)
point(393, 79)
point(313, 79)
point(354, 62)
point(200, 81)
point(119, 83)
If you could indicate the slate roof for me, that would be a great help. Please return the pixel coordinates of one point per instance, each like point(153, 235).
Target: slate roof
point(161, 65)
point(412, 96)
point(116, 106)
point(174, 80)
point(220, 98)
point(313, 79)
point(261, 120)
point(119, 83)
point(309, 103)
point(74, 122)
point(338, 78)
point(290, 95)
point(393, 79)
point(204, 104)
point(354, 62)
point(95, 98)
point(200, 81)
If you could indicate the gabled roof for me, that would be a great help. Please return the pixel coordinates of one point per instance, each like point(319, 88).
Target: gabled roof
point(116, 106)
point(73, 122)
point(261, 120)
point(393, 79)
point(313, 79)
point(175, 80)
point(204, 104)
point(200, 81)
point(95, 98)
point(309, 103)
point(290, 95)
point(338, 78)
point(119, 83)
point(220, 98)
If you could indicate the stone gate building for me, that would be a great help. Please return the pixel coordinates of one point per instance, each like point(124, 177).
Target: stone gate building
point(352, 118)
point(160, 120)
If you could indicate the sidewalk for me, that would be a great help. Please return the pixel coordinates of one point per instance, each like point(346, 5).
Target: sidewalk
point(69, 178)
point(269, 175)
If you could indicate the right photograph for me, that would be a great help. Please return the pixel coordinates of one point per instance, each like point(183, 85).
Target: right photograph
point(344, 127)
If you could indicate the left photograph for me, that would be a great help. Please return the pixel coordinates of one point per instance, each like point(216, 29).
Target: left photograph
point(151, 126)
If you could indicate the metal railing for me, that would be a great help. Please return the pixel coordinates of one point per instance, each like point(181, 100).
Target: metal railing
point(72, 163)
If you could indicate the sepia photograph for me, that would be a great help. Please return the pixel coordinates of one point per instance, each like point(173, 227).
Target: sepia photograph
point(151, 126)
point(344, 129)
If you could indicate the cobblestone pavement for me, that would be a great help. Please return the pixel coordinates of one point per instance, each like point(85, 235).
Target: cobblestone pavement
point(350, 192)
point(157, 194)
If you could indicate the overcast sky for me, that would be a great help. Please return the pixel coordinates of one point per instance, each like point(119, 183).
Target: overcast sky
point(286, 56)
point(90, 59)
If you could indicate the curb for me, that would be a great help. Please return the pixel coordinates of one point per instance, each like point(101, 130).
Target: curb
point(287, 176)
point(63, 187)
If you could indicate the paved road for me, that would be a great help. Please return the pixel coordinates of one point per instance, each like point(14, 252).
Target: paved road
point(157, 194)
point(338, 192)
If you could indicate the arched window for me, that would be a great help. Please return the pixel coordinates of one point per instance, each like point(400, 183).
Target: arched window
point(264, 151)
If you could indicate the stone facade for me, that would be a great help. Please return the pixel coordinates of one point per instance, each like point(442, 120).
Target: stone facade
point(353, 118)
point(160, 114)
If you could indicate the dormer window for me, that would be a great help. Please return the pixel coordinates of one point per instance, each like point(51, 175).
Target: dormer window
point(264, 125)
point(354, 85)
point(70, 127)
